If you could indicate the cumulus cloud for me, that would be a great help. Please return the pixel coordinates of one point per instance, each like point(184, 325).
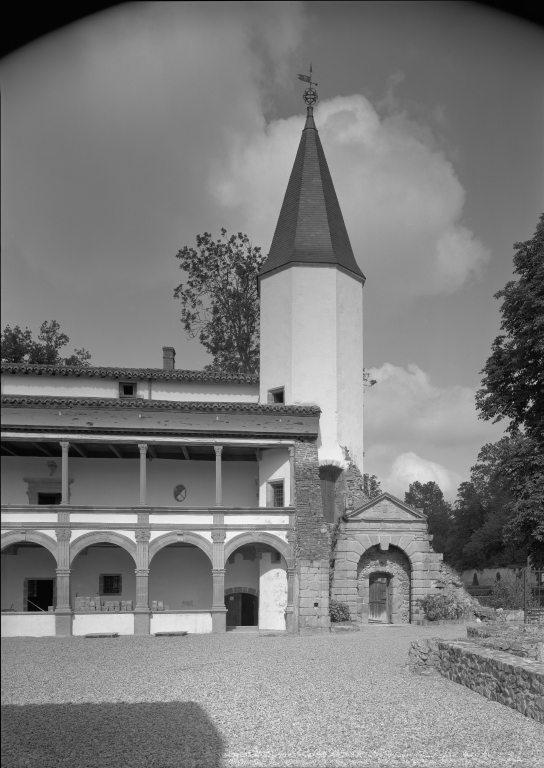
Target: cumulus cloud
point(400, 196)
point(409, 468)
point(407, 416)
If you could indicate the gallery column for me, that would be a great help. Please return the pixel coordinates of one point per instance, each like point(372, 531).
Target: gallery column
point(289, 608)
point(142, 615)
point(142, 447)
point(63, 611)
point(218, 479)
point(65, 447)
point(219, 611)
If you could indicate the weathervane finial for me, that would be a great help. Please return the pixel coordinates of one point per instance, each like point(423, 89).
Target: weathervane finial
point(310, 94)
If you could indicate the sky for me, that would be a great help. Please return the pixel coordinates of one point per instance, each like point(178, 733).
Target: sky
point(126, 134)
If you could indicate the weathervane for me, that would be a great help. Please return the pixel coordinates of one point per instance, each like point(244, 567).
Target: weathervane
point(310, 94)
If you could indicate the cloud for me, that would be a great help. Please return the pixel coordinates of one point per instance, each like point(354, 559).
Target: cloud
point(400, 196)
point(408, 416)
point(409, 468)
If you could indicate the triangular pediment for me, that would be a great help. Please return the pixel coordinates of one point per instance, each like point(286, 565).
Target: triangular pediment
point(386, 507)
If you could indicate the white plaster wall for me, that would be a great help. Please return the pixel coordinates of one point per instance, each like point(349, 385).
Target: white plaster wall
point(59, 386)
point(350, 365)
point(200, 623)
point(276, 333)
point(198, 477)
point(38, 519)
point(181, 519)
point(30, 625)
point(205, 391)
point(28, 563)
point(86, 569)
point(274, 465)
point(256, 519)
point(181, 573)
point(272, 593)
point(14, 468)
point(87, 623)
point(98, 518)
point(242, 573)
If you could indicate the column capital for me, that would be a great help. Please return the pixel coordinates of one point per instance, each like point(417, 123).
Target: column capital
point(218, 571)
point(62, 571)
point(218, 450)
point(65, 446)
point(219, 535)
point(142, 534)
point(142, 447)
point(291, 571)
point(291, 451)
point(291, 535)
point(63, 534)
point(141, 571)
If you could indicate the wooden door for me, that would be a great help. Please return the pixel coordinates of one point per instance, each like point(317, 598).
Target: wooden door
point(234, 609)
point(378, 599)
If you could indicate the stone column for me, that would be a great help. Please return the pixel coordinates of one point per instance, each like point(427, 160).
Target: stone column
point(292, 476)
point(219, 611)
point(289, 608)
point(65, 447)
point(63, 611)
point(218, 480)
point(142, 447)
point(142, 614)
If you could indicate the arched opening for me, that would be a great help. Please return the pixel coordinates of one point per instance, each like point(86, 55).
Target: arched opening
point(28, 578)
point(384, 585)
point(180, 578)
point(256, 586)
point(103, 579)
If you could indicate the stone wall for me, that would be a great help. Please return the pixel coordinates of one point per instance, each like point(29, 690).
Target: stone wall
point(395, 564)
point(499, 676)
point(525, 640)
point(312, 543)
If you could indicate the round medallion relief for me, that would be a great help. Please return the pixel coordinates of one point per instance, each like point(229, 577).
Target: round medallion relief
point(180, 492)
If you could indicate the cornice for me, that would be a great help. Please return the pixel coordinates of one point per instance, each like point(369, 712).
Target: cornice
point(109, 372)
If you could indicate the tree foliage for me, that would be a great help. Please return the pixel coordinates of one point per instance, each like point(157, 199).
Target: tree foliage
point(513, 383)
point(219, 301)
point(18, 346)
point(429, 498)
point(371, 486)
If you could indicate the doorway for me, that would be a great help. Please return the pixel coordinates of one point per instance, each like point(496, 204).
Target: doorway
point(379, 599)
point(39, 594)
point(242, 610)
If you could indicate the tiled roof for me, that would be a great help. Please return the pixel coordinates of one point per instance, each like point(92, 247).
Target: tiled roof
point(159, 405)
point(106, 372)
point(311, 227)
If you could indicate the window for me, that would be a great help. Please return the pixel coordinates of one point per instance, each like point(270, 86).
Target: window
point(49, 498)
point(275, 494)
point(110, 584)
point(276, 395)
point(127, 389)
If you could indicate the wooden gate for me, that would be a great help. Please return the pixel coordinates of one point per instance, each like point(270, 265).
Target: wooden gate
point(378, 599)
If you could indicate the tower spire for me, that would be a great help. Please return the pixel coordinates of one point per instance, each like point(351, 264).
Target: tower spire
point(311, 228)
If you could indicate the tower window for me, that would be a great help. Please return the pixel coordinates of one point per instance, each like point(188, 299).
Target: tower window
point(276, 395)
point(127, 389)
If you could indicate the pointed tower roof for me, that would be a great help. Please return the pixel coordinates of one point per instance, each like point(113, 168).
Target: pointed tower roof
point(310, 228)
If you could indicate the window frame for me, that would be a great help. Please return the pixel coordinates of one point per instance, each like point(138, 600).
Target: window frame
point(122, 395)
point(102, 585)
point(272, 393)
point(270, 491)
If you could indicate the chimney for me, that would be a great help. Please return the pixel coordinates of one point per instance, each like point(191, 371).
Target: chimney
point(168, 358)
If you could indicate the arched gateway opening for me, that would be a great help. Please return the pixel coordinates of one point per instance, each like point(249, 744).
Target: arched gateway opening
point(384, 585)
point(28, 578)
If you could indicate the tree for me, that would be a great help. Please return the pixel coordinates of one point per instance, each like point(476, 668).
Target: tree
point(18, 346)
point(371, 485)
point(219, 301)
point(513, 388)
point(513, 383)
point(429, 498)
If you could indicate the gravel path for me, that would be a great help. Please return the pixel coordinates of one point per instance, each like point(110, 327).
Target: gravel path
point(249, 700)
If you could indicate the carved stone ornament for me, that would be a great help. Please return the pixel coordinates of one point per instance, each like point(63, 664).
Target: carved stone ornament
point(142, 534)
point(219, 535)
point(180, 492)
point(63, 534)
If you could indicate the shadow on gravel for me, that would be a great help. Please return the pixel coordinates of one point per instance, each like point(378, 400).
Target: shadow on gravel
point(118, 735)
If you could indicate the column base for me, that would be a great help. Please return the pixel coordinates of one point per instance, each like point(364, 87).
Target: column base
point(63, 624)
point(142, 623)
point(219, 621)
point(289, 619)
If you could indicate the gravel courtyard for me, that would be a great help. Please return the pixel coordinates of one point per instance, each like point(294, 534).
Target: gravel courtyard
point(248, 700)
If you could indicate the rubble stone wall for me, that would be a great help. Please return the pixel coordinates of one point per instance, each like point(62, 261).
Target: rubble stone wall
point(513, 681)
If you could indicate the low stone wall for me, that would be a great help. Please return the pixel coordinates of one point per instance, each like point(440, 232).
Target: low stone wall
point(523, 640)
point(499, 676)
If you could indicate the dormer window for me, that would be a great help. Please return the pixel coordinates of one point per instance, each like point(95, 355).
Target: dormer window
point(127, 389)
point(276, 395)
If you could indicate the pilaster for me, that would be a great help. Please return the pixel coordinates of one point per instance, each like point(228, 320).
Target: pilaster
point(63, 611)
point(219, 611)
point(142, 614)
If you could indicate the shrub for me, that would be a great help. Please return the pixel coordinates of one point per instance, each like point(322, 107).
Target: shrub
point(507, 593)
point(483, 612)
point(339, 611)
point(442, 607)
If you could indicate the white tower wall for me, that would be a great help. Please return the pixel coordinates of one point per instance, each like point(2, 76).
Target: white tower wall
point(312, 344)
